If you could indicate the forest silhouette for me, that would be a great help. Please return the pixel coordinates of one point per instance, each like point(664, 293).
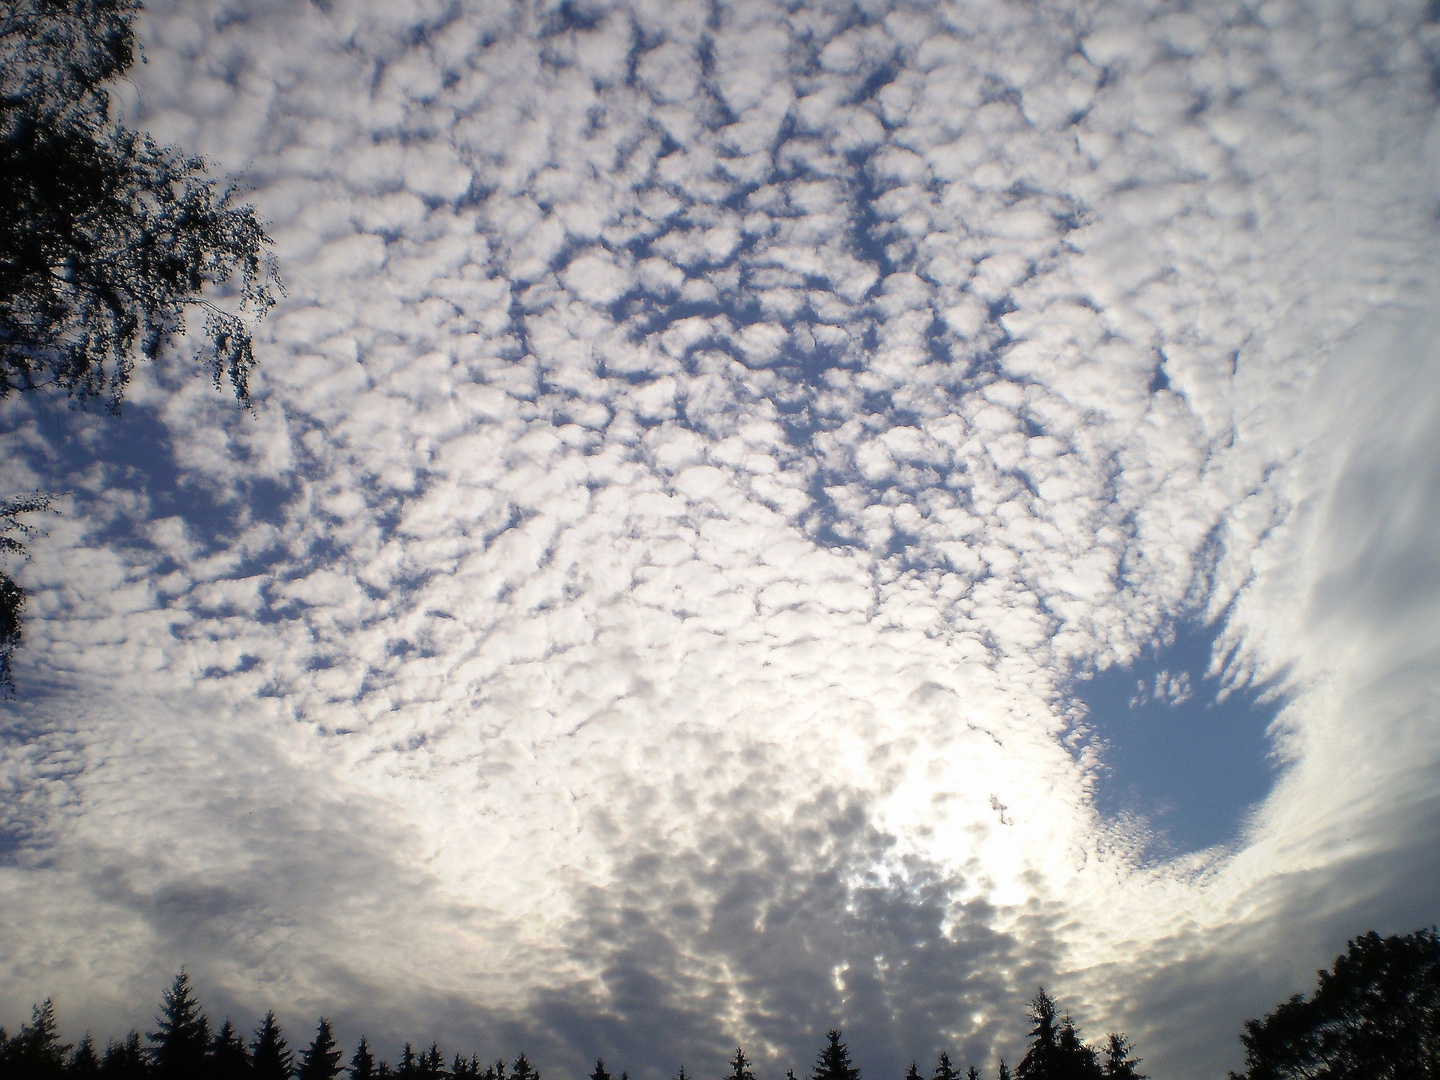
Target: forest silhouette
point(1374, 1014)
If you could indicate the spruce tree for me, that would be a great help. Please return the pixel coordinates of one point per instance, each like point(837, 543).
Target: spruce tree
point(321, 1059)
point(37, 1052)
point(521, 1070)
point(944, 1070)
point(972, 1073)
point(1075, 1060)
point(432, 1064)
point(178, 1048)
point(913, 1073)
point(362, 1064)
point(270, 1057)
point(1004, 1071)
point(229, 1060)
point(682, 1074)
point(1119, 1065)
point(740, 1066)
point(84, 1062)
point(600, 1072)
point(124, 1061)
point(833, 1061)
point(1041, 1060)
point(409, 1066)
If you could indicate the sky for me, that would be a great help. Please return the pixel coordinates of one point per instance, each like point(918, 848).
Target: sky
point(757, 517)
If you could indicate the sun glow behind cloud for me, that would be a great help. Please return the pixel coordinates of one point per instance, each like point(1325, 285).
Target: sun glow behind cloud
point(697, 452)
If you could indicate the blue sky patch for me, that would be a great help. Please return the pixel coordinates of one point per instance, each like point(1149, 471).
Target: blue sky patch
point(1176, 751)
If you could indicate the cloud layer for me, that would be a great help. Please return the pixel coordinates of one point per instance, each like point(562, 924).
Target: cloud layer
point(699, 449)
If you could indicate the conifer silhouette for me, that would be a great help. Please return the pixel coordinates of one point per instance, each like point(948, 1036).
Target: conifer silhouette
point(321, 1059)
point(913, 1073)
point(944, 1070)
point(179, 1046)
point(270, 1057)
point(740, 1066)
point(229, 1060)
point(599, 1072)
point(124, 1060)
point(362, 1063)
point(833, 1061)
point(84, 1062)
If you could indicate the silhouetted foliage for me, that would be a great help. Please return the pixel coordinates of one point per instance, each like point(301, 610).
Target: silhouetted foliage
point(740, 1066)
point(229, 1060)
point(1119, 1065)
point(184, 1047)
point(84, 1062)
point(1376, 1013)
point(362, 1063)
point(321, 1059)
point(12, 597)
point(269, 1056)
point(179, 1046)
point(1055, 1051)
point(124, 1060)
point(106, 238)
point(1003, 1073)
point(833, 1061)
point(36, 1052)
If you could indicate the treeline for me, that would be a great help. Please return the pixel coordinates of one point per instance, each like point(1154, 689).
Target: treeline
point(184, 1047)
point(1375, 1014)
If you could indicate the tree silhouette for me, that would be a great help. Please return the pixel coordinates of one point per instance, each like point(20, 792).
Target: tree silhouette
point(833, 1061)
point(36, 1051)
point(682, 1074)
point(913, 1073)
point(409, 1066)
point(124, 1061)
point(1003, 1073)
point(740, 1066)
point(1118, 1064)
point(1074, 1060)
point(1041, 1056)
point(362, 1064)
point(106, 238)
point(229, 1060)
point(179, 1046)
point(84, 1062)
point(321, 1059)
point(1376, 1013)
point(599, 1072)
point(972, 1073)
point(269, 1056)
point(12, 597)
point(432, 1063)
point(944, 1070)
point(521, 1070)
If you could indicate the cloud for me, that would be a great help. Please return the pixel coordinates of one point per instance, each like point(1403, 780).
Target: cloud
point(695, 454)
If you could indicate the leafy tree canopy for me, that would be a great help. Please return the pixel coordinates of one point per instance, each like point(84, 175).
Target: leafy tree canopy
point(107, 238)
point(1375, 1013)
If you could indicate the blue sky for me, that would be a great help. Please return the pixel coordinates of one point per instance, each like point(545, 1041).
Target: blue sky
point(718, 479)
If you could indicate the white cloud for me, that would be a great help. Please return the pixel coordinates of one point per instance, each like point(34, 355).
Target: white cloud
point(686, 499)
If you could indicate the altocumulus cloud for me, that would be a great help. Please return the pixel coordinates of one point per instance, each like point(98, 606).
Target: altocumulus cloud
point(701, 448)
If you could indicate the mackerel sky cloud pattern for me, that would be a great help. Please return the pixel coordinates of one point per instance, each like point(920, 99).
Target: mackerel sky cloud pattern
point(704, 453)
